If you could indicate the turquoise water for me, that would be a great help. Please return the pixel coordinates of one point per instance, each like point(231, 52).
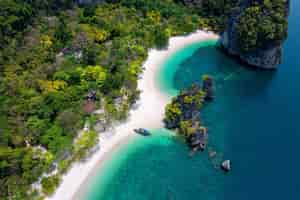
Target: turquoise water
point(254, 121)
point(155, 168)
point(173, 63)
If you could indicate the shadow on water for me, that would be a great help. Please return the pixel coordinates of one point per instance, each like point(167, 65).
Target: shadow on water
point(243, 80)
point(264, 139)
point(244, 122)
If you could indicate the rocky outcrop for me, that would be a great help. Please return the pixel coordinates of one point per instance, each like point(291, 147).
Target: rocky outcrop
point(183, 113)
point(184, 107)
point(267, 57)
point(226, 165)
point(208, 87)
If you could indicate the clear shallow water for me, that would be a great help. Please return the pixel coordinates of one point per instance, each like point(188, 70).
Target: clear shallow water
point(156, 167)
point(254, 121)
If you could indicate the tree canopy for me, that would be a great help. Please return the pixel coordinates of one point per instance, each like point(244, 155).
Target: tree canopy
point(53, 54)
point(262, 24)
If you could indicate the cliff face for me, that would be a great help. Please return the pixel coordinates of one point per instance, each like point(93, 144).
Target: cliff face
point(183, 113)
point(268, 57)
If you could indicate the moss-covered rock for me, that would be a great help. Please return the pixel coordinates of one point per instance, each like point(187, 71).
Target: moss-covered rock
point(183, 113)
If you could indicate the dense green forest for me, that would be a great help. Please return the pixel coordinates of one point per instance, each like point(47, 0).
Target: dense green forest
point(59, 62)
point(262, 24)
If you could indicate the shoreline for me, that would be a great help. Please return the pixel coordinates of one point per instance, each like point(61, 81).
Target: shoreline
point(149, 114)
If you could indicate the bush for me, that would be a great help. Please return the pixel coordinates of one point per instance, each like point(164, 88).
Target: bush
point(50, 183)
point(84, 143)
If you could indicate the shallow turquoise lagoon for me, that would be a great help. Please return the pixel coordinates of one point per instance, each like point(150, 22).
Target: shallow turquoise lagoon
point(254, 121)
point(155, 168)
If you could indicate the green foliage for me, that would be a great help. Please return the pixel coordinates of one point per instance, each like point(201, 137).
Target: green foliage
point(179, 111)
point(206, 77)
point(49, 184)
point(262, 24)
point(35, 162)
point(62, 32)
point(70, 121)
point(89, 55)
point(185, 128)
point(85, 142)
point(217, 7)
point(161, 37)
point(56, 140)
point(92, 76)
point(173, 111)
point(95, 34)
point(15, 16)
point(19, 168)
point(64, 165)
point(50, 58)
point(36, 127)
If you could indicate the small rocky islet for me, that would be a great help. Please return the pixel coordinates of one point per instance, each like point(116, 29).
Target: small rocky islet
point(183, 116)
point(183, 113)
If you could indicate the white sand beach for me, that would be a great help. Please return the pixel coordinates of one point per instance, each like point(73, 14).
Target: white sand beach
point(148, 114)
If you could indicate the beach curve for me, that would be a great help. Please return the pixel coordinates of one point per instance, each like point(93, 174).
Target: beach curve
point(148, 114)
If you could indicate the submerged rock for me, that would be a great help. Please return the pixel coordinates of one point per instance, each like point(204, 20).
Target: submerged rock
point(212, 154)
point(226, 165)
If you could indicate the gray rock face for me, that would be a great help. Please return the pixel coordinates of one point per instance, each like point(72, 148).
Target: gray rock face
point(269, 57)
point(226, 165)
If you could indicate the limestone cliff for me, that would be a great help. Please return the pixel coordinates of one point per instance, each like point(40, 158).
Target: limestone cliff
point(267, 56)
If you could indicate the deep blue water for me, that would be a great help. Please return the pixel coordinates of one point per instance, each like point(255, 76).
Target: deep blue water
point(254, 121)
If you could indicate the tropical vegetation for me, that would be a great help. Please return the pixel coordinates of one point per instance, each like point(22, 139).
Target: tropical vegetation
point(59, 62)
point(53, 55)
point(262, 24)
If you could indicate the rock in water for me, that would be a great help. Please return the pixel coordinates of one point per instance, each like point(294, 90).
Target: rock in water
point(208, 87)
point(183, 114)
point(266, 53)
point(226, 165)
point(212, 154)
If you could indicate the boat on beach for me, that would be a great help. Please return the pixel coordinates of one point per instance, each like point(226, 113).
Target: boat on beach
point(142, 131)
